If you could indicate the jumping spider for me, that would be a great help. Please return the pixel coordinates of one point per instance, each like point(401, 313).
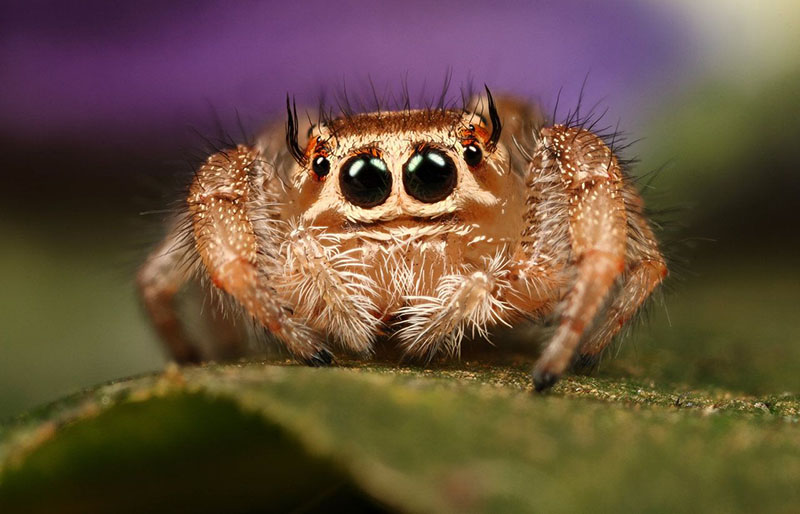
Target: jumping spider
point(417, 224)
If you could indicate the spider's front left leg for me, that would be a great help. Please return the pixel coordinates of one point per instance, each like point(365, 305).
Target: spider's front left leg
point(224, 204)
point(593, 182)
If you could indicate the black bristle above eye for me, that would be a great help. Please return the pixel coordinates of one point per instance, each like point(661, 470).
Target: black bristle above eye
point(292, 128)
point(497, 126)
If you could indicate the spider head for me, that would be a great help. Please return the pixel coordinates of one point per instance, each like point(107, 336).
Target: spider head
point(415, 166)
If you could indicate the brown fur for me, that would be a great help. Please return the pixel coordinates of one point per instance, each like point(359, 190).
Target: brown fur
point(551, 229)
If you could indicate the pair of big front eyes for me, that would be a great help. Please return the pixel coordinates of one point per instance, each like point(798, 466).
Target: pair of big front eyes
point(429, 176)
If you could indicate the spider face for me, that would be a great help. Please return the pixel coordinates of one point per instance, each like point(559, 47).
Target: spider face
point(407, 168)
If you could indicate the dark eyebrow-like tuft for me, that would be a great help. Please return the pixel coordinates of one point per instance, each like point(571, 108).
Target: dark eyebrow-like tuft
point(292, 128)
point(497, 125)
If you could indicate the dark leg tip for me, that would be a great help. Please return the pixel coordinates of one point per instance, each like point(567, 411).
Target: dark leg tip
point(543, 380)
point(319, 359)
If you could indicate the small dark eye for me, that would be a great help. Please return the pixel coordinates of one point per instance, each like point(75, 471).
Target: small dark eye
point(472, 155)
point(429, 175)
point(321, 166)
point(365, 181)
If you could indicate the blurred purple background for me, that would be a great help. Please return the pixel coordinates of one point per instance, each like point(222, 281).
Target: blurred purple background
point(131, 73)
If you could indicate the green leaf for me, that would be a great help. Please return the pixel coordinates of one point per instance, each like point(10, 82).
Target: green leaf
point(370, 438)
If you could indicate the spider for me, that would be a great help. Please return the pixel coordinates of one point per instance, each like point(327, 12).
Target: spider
point(420, 226)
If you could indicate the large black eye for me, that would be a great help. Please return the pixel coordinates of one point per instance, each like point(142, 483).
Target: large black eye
point(429, 175)
point(365, 181)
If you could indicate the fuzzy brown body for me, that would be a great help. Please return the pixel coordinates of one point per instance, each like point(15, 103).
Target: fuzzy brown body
point(423, 226)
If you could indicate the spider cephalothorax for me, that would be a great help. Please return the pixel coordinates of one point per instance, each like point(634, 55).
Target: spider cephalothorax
point(420, 226)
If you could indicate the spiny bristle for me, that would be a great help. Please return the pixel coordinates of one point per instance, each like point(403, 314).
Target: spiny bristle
point(348, 104)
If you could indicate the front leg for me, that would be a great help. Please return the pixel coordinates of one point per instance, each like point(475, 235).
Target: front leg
point(593, 181)
point(645, 269)
point(239, 260)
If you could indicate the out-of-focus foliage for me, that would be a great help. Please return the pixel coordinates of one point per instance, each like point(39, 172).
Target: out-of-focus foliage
point(728, 161)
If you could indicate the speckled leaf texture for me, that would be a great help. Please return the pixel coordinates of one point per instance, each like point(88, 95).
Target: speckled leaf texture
point(275, 437)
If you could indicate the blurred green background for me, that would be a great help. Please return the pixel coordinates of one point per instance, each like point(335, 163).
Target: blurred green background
point(724, 134)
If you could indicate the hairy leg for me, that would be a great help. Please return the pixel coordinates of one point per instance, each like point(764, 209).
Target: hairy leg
point(645, 269)
point(238, 260)
point(592, 179)
point(163, 274)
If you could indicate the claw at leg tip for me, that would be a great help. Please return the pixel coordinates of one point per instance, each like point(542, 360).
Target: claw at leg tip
point(543, 380)
point(319, 359)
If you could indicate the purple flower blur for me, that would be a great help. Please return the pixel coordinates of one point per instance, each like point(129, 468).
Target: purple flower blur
point(112, 70)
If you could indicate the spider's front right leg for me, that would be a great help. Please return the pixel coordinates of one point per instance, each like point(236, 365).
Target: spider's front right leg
point(592, 181)
point(239, 260)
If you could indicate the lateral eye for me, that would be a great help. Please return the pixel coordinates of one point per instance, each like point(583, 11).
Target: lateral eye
point(321, 167)
point(473, 155)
